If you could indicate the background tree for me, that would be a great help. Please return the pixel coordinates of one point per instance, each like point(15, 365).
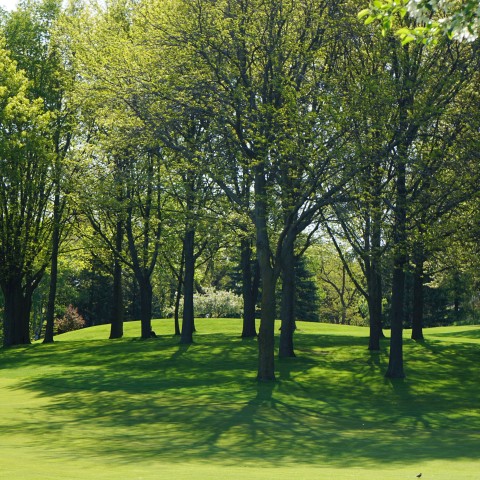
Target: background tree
point(113, 99)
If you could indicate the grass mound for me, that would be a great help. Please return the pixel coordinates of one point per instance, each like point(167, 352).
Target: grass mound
point(87, 407)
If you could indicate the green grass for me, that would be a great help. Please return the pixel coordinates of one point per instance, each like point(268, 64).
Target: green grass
point(86, 407)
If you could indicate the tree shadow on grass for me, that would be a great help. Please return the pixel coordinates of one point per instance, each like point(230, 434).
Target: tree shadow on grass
point(162, 401)
point(471, 333)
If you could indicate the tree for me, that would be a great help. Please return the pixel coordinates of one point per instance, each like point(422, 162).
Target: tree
point(30, 37)
point(261, 62)
point(111, 102)
point(26, 158)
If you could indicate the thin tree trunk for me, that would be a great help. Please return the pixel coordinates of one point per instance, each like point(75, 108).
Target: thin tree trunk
point(456, 292)
point(116, 326)
point(374, 280)
point(249, 290)
point(188, 288)
point(395, 365)
point(52, 293)
point(418, 303)
point(145, 287)
point(178, 294)
point(374, 285)
point(266, 336)
point(287, 316)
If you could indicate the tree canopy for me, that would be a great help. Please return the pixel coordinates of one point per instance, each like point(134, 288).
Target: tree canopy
point(157, 156)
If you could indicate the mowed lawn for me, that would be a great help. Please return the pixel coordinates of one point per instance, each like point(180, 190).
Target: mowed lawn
point(88, 407)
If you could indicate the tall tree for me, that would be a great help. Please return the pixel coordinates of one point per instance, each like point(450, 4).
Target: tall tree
point(111, 102)
point(425, 94)
point(25, 198)
point(31, 39)
point(263, 64)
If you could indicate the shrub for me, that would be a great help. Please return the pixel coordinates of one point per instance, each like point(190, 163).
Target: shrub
point(218, 303)
point(214, 304)
point(71, 320)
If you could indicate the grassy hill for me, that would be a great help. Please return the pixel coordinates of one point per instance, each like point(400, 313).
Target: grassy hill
point(87, 407)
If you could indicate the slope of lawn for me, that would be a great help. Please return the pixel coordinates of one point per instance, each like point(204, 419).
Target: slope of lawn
point(88, 407)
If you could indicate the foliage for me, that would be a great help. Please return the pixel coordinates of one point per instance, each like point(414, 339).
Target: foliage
point(218, 303)
point(26, 156)
point(307, 302)
point(214, 303)
point(459, 20)
point(70, 321)
point(201, 124)
point(340, 300)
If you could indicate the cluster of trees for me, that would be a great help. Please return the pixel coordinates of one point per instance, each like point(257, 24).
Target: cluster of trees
point(189, 144)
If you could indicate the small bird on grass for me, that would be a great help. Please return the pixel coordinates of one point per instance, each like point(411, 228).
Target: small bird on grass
point(419, 475)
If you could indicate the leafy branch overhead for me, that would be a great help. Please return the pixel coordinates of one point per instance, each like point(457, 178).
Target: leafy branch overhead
point(426, 20)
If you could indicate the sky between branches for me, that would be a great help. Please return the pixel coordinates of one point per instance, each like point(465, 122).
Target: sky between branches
point(8, 4)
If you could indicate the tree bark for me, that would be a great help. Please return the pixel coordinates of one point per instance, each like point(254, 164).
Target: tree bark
point(418, 302)
point(287, 316)
point(266, 336)
point(16, 315)
point(374, 285)
point(52, 292)
point(145, 286)
point(249, 290)
point(188, 288)
point(395, 365)
point(116, 326)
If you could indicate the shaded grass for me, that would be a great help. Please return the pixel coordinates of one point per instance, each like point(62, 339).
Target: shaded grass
point(114, 407)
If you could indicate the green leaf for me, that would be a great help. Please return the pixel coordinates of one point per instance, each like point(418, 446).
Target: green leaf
point(387, 24)
point(363, 13)
point(408, 39)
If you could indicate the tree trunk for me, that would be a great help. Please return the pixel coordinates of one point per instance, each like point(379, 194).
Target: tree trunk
point(287, 316)
point(16, 314)
point(249, 290)
point(374, 285)
point(178, 294)
point(395, 365)
point(266, 336)
point(417, 317)
point(52, 293)
point(145, 287)
point(374, 280)
point(188, 288)
point(116, 326)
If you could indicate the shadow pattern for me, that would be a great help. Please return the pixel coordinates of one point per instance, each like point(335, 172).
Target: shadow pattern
point(155, 399)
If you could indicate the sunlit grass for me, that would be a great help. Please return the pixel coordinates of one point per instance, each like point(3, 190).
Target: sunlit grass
point(88, 407)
